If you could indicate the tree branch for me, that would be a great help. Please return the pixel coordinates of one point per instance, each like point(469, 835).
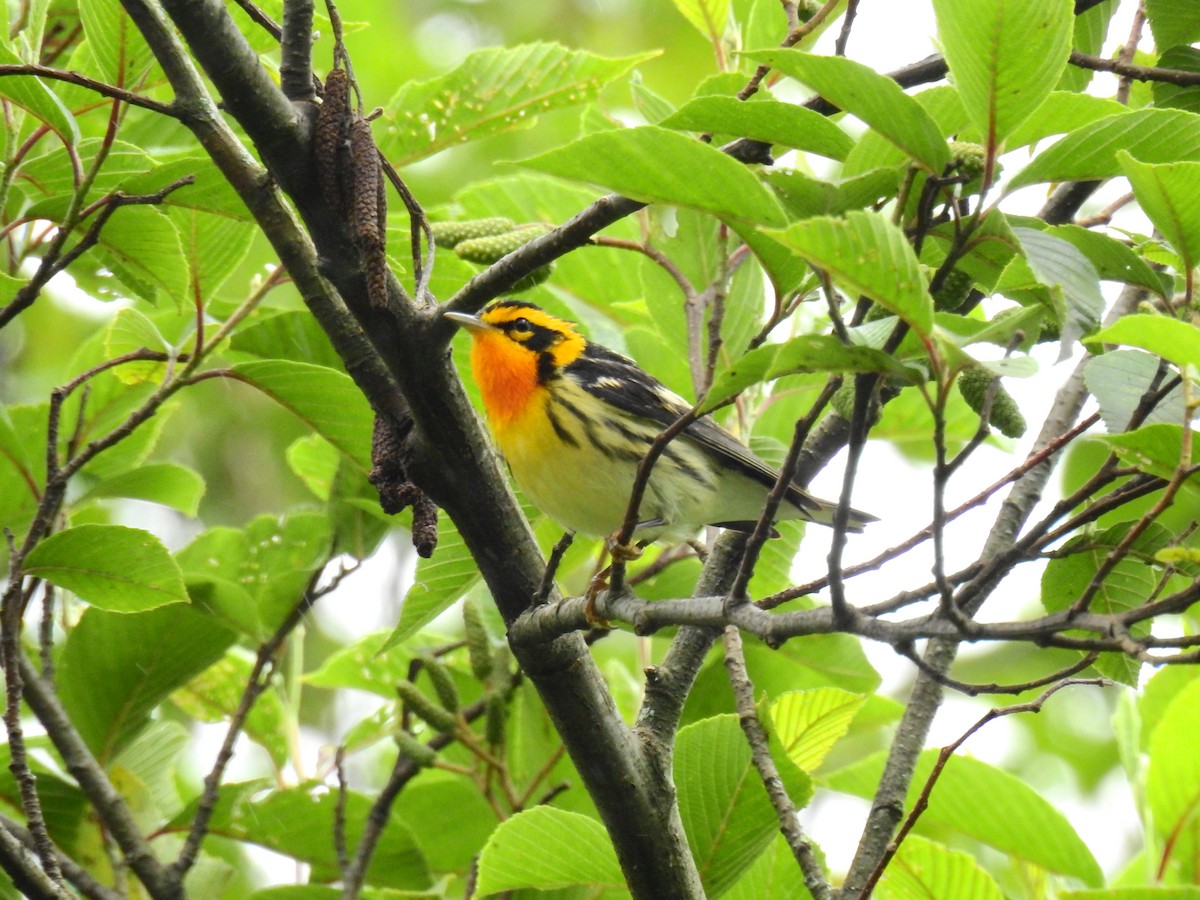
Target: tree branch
point(926, 697)
point(295, 52)
point(110, 806)
point(452, 460)
point(756, 736)
point(1137, 73)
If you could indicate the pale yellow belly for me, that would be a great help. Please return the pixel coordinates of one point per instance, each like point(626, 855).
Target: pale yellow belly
point(586, 489)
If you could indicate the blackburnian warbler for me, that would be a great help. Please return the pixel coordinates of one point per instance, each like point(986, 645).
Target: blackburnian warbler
point(573, 419)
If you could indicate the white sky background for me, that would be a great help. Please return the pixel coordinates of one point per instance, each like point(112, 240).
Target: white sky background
point(889, 486)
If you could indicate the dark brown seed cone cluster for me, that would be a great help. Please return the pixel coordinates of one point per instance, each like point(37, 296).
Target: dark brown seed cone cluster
point(396, 491)
point(351, 179)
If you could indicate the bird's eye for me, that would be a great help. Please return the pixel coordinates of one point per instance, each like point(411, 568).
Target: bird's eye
point(521, 326)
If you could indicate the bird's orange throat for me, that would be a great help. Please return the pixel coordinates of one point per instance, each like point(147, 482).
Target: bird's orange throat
point(507, 377)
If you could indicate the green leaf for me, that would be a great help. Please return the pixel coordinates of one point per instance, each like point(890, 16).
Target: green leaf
point(923, 869)
point(765, 120)
point(1166, 193)
point(315, 462)
point(36, 97)
point(806, 353)
point(214, 696)
point(115, 669)
point(112, 567)
point(1005, 57)
point(1155, 449)
point(868, 255)
point(1171, 23)
point(141, 245)
point(51, 175)
point(1061, 112)
point(725, 810)
point(708, 16)
point(439, 581)
point(253, 578)
point(1130, 583)
point(327, 400)
point(654, 165)
point(1056, 263)
point(547, 848)
point(214, 225)
point(990, 805)
point(1155, 892)
point(1159, 693)
point(1175, 341)
point(1119, 380)
point(170, 484)
point(1182, 59)
point(491, 91)
point(118, 48)
point(1090, 152)
point(450, 818)
point(1173, 780)
point(1113, 259)
point(147, 768)
point(874, 98)
point(130, 331)
point(293, 335)
point(365, 665)
point(773, 876)
point(809, 723)
point(298, 822)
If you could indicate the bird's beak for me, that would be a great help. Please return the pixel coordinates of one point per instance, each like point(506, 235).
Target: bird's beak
point(468, 321)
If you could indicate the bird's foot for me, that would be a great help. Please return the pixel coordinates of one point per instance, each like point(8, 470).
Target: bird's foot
point(598, 583)
point(622, 552)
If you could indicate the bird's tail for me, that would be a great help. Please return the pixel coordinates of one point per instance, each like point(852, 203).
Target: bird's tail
point(823, 511)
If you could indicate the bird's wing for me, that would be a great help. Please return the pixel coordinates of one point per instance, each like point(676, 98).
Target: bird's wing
point(620, 382)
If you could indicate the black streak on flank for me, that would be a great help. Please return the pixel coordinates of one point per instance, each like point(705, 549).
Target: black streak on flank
point(563, 435)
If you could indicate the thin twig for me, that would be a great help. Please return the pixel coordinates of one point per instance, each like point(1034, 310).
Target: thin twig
point(944, 755)
point(664, 261)
point(418, 225)
point(794, 36)
point(403, 771)
point(909, 652)
point(339, 811)
point(552, 564)
point(839, 46)
point(1129, 50)
point(783, 483)
point(79, 877)
point(760, 753)
point(91, 84)
point(1128, 70)
point(259, 680)
point(260, 18)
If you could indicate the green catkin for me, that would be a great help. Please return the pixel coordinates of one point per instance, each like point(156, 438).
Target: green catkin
point(479, 642)
point(842, 402)
point(496, 720)
point(1006, 416)
point(501, 679)
point(955, 289)
point(451, 234)
point(412, 749)
point(970, 158)
point(487, 250)
point(443, 682)
point(424, 707)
